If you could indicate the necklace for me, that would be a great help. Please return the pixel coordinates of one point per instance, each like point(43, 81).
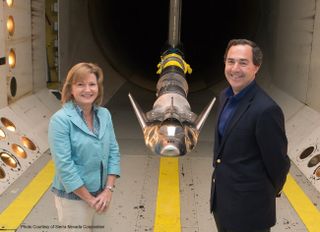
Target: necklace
point(89, 121)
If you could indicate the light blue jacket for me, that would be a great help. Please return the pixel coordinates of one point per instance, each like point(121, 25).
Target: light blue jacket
point(80, 157)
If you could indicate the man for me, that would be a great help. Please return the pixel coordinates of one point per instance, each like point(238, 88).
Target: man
point(250, 152)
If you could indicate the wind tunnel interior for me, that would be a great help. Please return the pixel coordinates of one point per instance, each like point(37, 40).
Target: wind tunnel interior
point(133, 35)
point(127, 40)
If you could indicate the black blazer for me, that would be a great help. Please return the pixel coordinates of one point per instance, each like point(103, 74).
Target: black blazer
point(250, 163)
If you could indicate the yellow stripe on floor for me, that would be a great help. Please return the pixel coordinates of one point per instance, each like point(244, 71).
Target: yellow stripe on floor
point(308, 213)
point(167, 218)
point(12, 217)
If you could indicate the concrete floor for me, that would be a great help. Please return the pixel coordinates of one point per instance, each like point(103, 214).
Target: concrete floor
point(134, 200)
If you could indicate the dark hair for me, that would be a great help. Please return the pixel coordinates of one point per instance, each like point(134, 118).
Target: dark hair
point(75, 74)
point(257, 55)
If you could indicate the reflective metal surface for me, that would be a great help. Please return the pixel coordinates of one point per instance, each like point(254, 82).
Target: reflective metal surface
point(171, 128)
point(9, 3)
point(2, 173)
point(2, 134)
point(28, 143)
point(314, 161)
point(19, 151)
point(8, 159)
point(174, 22)
point(317, 172)
point(8, 124)
point(12, 58)
point(10, 25)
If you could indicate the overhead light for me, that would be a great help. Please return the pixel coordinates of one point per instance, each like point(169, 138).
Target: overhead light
point(317, 172)
point(12, 58)
point(19, 151)
point(2, 134)
point(8, 124)
point(28, 143)
point(9, 3)
point(10, 25)
point(2, 173)
point(171, 130)
point(8, 159)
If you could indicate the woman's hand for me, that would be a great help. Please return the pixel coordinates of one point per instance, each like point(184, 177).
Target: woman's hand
point(103, 201)
point(85, 195)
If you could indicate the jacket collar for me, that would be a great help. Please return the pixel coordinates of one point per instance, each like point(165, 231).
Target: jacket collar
point(75, 118)
point(244, 104)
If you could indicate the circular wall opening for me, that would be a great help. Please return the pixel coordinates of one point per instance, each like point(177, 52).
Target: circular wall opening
point(28, 143)
point(12, 58)
point(9, 3)
point(13, 86)
point(306, 152)
point(2, 173)
point(10, 25)
point(9, 159)
point(8, 124)
point(19, 151)
point(2, 134)
point(317, 172)
point(133, 47)
point(314, 161)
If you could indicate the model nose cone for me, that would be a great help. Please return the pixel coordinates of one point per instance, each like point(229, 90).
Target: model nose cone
point(170, 150)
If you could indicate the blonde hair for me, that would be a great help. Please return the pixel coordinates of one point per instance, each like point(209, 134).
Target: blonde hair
point(75, 74)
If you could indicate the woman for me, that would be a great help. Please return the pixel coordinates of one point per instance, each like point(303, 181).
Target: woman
point(84, 149)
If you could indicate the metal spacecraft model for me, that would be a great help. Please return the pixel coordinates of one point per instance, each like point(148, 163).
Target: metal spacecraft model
point(171, 128)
